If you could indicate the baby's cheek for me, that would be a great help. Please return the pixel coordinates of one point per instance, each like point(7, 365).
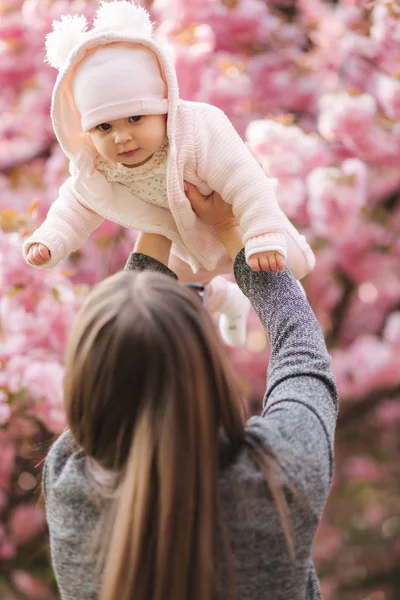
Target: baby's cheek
point(94, 139)
point(102, 147)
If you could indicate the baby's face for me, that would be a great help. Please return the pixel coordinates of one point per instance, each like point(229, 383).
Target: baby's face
point(132, 140)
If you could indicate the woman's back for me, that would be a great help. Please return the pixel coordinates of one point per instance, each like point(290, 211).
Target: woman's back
point(297, 426)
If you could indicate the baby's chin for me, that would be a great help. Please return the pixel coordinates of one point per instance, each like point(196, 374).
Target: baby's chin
point(136, 160)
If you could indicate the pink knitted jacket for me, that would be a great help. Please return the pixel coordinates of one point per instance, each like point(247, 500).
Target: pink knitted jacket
point(204, 149)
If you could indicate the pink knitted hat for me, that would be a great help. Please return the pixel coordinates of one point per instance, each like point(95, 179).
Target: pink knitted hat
point(117, 81)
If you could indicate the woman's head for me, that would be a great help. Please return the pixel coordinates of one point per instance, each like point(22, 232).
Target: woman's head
point(143, 347)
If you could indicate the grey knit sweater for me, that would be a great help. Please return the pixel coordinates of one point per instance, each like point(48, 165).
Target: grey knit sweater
point(297, 422)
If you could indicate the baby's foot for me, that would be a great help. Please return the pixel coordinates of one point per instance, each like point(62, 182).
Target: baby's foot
point(233, 319)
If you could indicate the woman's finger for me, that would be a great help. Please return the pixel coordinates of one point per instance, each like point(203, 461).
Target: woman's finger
point(195, 197)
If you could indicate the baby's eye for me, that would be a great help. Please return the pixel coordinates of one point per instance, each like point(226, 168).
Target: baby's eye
point(134, 119)
point(104, 127)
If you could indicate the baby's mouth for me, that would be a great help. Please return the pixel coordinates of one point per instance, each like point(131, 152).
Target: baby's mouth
point(129, 152)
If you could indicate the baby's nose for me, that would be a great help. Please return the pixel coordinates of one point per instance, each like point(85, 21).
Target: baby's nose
point(121, 137)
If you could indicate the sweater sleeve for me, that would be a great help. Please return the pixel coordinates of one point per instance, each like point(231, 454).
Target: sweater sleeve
point(228, 167)
point(72, 518)
point(66, 228)
point(141, 262)
point(300, 405)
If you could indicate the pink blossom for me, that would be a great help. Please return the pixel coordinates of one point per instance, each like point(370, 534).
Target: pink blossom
point(341, 112)
point(284, 81)
point(40, 16)
point(313, 12)
point(271, 77)
point(329, 542)
point(336, 197)
point(285, 150)
point(327, 33)
point(181, 11)
point(324, 289)
point(5, 413)
point(387, 414)
point(193, 48)
point(383, 181)
point(43, 381)
point(357, 56)
point(225, 85)
point(374, 515)
point(291, 194)
point(20, 427)
point(366, 364)
point(7, 462)
point(375, 267)
point(352, 14)
point(387, 91)
point(26, 522)
point(385, 30)
point(7, 549)
point(377, 292)
point(392, 329)
point(30, 586)
point(246, 25)
point(354, 120)
point(363, 468)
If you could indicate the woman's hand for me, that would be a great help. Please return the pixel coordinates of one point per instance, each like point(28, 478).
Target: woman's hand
point(211, 209)
point(217, 213)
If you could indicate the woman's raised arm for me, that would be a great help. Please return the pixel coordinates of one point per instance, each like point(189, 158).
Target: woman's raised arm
point(300, 403)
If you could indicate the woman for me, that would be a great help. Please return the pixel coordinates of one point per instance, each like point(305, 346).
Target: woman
point(160, 489)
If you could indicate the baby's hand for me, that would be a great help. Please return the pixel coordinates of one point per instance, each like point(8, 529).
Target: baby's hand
point(38, 255)
point(271, 260)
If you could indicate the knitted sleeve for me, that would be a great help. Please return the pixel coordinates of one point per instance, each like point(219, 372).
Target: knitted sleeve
point(72, 518)
point(141, 262)
point(66, 228)
point(228, 167)
point(300, 405)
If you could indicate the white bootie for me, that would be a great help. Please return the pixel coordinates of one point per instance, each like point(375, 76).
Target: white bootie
point(233, 319)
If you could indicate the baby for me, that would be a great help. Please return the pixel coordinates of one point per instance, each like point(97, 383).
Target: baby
point(132, 145)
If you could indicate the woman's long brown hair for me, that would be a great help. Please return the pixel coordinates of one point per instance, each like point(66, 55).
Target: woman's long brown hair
point(149, 394)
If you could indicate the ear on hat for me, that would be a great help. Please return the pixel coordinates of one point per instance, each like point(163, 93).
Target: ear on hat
point(66, 34)
point(123, 15)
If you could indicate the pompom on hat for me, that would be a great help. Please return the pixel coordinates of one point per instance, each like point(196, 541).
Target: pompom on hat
point(116, 81)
